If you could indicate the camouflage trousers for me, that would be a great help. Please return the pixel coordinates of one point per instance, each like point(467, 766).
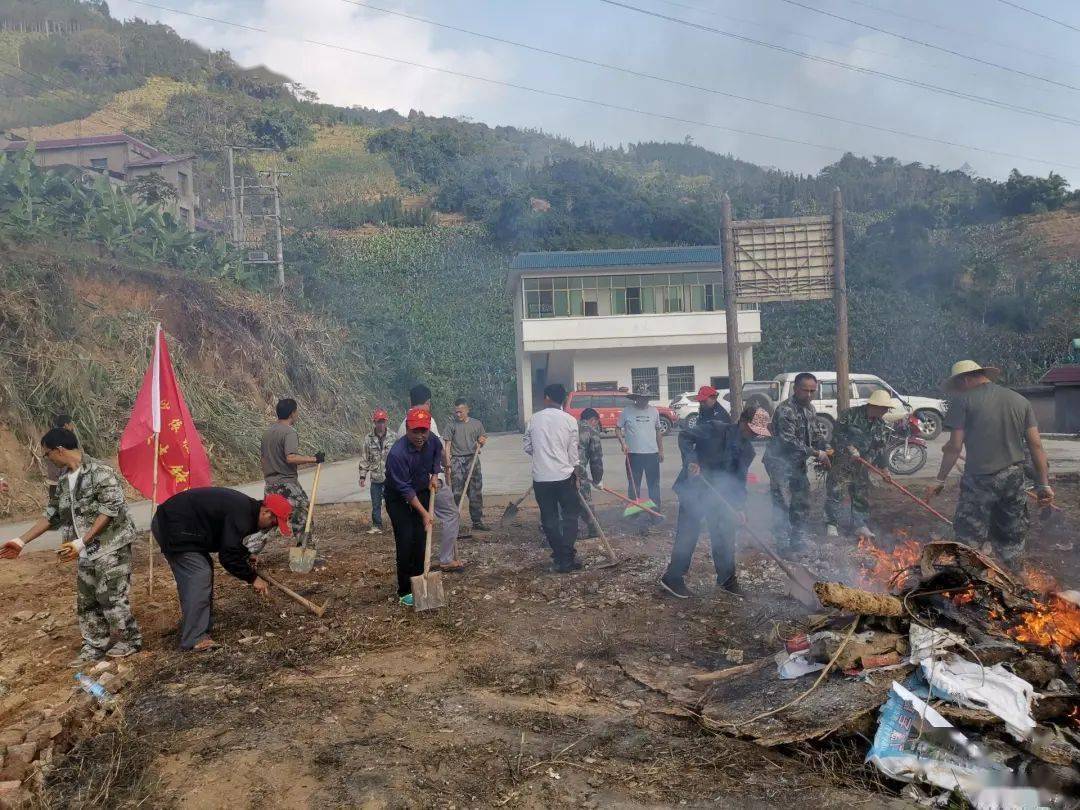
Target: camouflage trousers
point(994, 507)
point(855, 479)
point(585, 490)
point(789, 490)
point(102, 603)
point(459, 471)
point(294, 494)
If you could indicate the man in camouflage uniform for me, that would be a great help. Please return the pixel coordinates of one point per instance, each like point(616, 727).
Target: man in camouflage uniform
point(465, 437)
point(994, 426)
point(88, 506)
point(860, 432)
point(796, 438)
point(590, 462)
point(373, 455)
point(280, 455)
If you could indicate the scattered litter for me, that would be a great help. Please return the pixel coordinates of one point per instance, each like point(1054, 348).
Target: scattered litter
point(994, 689)
point(926, 641)
point(795, 665)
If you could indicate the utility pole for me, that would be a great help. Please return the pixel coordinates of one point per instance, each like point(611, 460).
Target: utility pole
point(243, 193)
point(731, 307)
point(843, 367)
point(233, 221)
point(277, 229)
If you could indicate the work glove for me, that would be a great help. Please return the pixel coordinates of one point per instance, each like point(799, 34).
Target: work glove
point(934, 489)
point(320, 457)
point(853, 451)
point(69, 551)
point(1045, 494)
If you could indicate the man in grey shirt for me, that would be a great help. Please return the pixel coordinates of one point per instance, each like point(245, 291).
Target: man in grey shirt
point(643, 444)
point(280, 454)
point(993, 425)
point(466, 436)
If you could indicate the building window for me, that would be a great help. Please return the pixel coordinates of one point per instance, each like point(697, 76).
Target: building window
point(720, 383)
point(185, 188)
point(635, 294)
point(645, 381)
point(606, 385)
point(680, 379)
point(99, 163)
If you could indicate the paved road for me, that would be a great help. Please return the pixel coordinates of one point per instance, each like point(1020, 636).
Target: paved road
point(506, 472)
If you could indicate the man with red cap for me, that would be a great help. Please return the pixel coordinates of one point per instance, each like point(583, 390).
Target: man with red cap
point(412, 475)
point(192, 525)
point(373, 455)
point(710, 407)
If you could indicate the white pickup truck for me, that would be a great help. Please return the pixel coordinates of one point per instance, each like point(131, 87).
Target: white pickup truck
point(768, 393)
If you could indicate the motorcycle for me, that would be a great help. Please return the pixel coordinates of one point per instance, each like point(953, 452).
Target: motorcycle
point(905, 452)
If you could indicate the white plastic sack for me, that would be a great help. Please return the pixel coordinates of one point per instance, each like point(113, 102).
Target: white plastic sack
point(994, 689)
point(925, 641)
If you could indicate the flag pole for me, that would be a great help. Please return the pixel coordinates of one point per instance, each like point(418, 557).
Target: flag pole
point(155, 398)
point(153, 508)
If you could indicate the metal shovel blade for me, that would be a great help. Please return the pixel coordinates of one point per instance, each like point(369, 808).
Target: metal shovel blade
point(427, 591)
point(301, 558)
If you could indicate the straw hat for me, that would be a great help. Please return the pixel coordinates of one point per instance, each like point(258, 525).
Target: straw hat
point(967, 367)
point(638, 397)
point(881, 399)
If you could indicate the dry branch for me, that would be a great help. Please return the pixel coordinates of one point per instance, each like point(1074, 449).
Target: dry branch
point(853, 600)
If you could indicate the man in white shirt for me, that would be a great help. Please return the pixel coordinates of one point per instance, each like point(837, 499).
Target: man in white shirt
point(551, 438)
point(446, 512)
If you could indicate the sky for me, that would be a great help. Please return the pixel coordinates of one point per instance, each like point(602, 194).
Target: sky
point(1007, 42)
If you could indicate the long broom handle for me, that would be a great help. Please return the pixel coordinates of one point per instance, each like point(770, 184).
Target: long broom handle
point(603, 537)
point(623, 498)
point(431, 526)
point(888, 479)
point(468, 480)
point(741, 519)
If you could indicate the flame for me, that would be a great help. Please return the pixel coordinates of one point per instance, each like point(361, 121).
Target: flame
point(1054, 623)
point(1074, 715)
point(881, 568)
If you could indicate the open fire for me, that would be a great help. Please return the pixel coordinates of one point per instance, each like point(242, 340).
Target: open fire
point(884, 570)
point(1054, 623)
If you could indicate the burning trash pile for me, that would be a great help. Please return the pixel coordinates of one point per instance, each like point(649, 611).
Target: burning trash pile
point(983, 673)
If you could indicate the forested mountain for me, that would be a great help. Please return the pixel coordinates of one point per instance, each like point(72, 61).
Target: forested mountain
point(941, 264)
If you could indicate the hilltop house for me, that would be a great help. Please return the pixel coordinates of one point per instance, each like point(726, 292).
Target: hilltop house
point(122, 158)
point(644, 319)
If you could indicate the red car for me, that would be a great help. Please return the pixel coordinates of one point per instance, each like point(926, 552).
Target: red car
point(609, 405)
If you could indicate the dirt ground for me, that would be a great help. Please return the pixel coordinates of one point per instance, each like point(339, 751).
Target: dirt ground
point(515, 695)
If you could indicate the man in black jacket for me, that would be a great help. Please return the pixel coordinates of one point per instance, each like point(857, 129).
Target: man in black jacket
point(190, 526)
point(718, 453)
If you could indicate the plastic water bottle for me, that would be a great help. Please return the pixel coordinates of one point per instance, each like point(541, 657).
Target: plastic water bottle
point(93, 688)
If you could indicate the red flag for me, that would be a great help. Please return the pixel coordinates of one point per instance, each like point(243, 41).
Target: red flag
point(160, 411)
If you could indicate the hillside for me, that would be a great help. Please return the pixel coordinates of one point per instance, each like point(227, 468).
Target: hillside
point(399, 230)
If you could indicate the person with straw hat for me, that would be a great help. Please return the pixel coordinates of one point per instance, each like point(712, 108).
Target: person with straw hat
point(992, 425)
point(861, 432)
point(716, 460)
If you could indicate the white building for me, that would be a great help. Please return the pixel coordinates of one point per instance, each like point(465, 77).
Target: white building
point(637, 319)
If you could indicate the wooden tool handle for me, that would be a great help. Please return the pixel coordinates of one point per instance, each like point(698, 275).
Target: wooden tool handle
point(311, 503)
point(524, 495)
point(603, 537)
point(889, 480)
point(318, 611)
point(623, 498)
point(468, 480)
point(430, 528)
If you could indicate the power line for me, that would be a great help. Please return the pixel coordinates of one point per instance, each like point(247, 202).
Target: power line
point(848, 66)
point(932, 46)
point(692, 86)
point(1034, 13)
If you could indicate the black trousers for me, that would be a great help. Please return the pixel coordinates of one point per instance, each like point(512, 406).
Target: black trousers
point(410, 538)
point(558, 502)
point(649, 464)
point(194, 575)
point(697, 508)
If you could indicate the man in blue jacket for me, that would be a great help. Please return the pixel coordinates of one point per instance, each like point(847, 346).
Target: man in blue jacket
point(720, 454)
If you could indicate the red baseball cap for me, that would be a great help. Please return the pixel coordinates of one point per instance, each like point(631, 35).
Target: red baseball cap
point(379, 415)
point(705, 392)
point(418, 418)
point(280, 507)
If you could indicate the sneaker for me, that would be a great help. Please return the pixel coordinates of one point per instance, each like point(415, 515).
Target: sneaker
point(731, 584)
point(481, 527)
point(831, 531)
point(122, 649)
point(375, 530)
point(406, 600)
point(676, 587)
point(87, 655)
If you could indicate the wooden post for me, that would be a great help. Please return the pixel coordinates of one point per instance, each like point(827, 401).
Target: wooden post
point(280, 253)
point(731, 307)
point(843, 367)
point(234, 222)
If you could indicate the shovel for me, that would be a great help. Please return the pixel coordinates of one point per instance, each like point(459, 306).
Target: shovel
point(512, 508)
point(603, 537)
point(311, 606)
point(800, 580)
point(302, 558)
point(427, 589)
point(468, 480)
